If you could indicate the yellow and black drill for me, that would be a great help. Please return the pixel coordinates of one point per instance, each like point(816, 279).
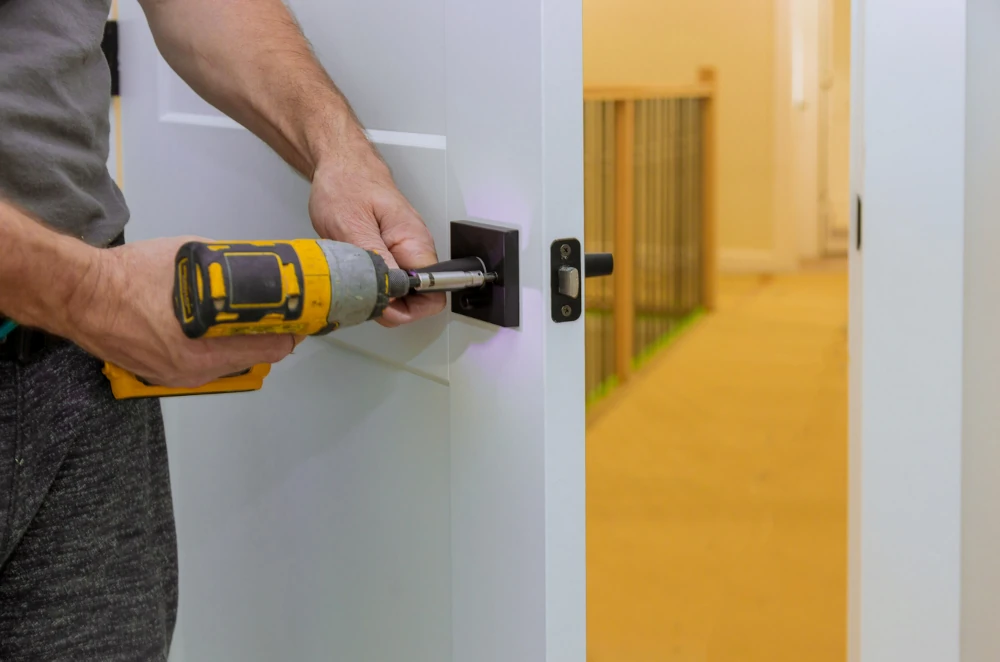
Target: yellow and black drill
point(304, 287)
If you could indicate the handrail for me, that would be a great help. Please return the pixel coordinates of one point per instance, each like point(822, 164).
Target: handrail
point(700, 90)
point(709, 177)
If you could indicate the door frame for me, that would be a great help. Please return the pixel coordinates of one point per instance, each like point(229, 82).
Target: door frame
point(803, 32)
point(785, 243)
point(831, 207)
point(908, 332)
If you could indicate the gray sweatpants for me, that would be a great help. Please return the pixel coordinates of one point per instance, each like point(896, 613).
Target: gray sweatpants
point(88, 555)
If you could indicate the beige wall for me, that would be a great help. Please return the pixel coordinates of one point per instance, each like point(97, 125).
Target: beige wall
point(665, 42)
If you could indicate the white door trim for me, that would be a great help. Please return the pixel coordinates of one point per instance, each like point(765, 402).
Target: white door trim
point(786, 232)
point(907, 446)
point(856, 326)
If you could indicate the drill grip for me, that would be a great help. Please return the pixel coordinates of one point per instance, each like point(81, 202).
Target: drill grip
point(242, 288)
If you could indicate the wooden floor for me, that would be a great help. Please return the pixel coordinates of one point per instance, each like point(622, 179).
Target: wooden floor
point(717, 487)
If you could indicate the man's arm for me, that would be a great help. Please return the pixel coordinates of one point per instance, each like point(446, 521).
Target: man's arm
point(114, 303)
point(250, 60)
point(41, 271)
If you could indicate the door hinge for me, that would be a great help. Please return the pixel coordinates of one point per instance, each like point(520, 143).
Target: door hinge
point(109, 44)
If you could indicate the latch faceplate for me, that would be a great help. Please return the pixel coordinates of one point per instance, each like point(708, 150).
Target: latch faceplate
point(569, 268)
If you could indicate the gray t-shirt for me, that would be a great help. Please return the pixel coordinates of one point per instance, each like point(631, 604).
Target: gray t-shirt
point(55, 95)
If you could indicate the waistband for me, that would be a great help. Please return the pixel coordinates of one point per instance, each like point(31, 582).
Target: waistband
point(23, 344)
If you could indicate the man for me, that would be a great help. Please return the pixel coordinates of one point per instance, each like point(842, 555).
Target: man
point(87, 549)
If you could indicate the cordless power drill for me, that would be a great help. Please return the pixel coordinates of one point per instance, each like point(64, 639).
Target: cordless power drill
point(303, 287)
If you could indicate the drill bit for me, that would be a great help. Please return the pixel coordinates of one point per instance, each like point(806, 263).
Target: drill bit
point(449, 281)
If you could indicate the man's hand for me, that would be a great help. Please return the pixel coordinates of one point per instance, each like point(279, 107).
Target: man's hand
point(355, 200)
point(123, 313)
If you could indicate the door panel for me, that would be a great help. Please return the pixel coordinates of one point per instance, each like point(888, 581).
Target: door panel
point(309, 532)
point(269, 201)
point(387, 56)
point(421, 175)
point(359, 47)
point(405, 494)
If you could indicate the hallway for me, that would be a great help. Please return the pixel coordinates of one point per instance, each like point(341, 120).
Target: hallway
point(717, 486)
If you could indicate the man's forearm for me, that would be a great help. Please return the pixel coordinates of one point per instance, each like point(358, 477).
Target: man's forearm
point(42, 273)
point(250, 60)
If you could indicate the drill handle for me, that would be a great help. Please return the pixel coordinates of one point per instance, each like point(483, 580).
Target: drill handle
point(238, 287)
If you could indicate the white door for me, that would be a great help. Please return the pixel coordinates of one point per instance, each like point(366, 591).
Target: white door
point(925, 536)
point(413, 494)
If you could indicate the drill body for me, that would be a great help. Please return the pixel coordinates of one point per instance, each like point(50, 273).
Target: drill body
point(303, 287)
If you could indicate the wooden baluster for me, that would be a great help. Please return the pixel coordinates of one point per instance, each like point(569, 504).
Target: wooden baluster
point(708, 181)
point(624, 237)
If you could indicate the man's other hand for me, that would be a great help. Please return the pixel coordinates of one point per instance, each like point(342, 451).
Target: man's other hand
point(123, 313)
point(355, 200)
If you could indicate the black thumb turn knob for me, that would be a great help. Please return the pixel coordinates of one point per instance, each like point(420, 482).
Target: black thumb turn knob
point(598, 264)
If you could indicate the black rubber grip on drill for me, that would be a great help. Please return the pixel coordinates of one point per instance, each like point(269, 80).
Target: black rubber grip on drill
point(253, 279)
point(382, 282)
point(399, 283)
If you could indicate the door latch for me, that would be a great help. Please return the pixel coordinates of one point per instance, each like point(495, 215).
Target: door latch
point(569, 267)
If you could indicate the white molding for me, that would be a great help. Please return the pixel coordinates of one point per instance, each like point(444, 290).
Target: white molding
point(378, 136)
point(405, 139)
point(980, 590)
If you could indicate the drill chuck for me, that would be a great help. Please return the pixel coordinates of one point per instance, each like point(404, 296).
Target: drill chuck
point(360, 285)
point(400, 283)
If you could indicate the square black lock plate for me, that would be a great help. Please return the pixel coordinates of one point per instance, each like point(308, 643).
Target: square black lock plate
point(497, 303)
